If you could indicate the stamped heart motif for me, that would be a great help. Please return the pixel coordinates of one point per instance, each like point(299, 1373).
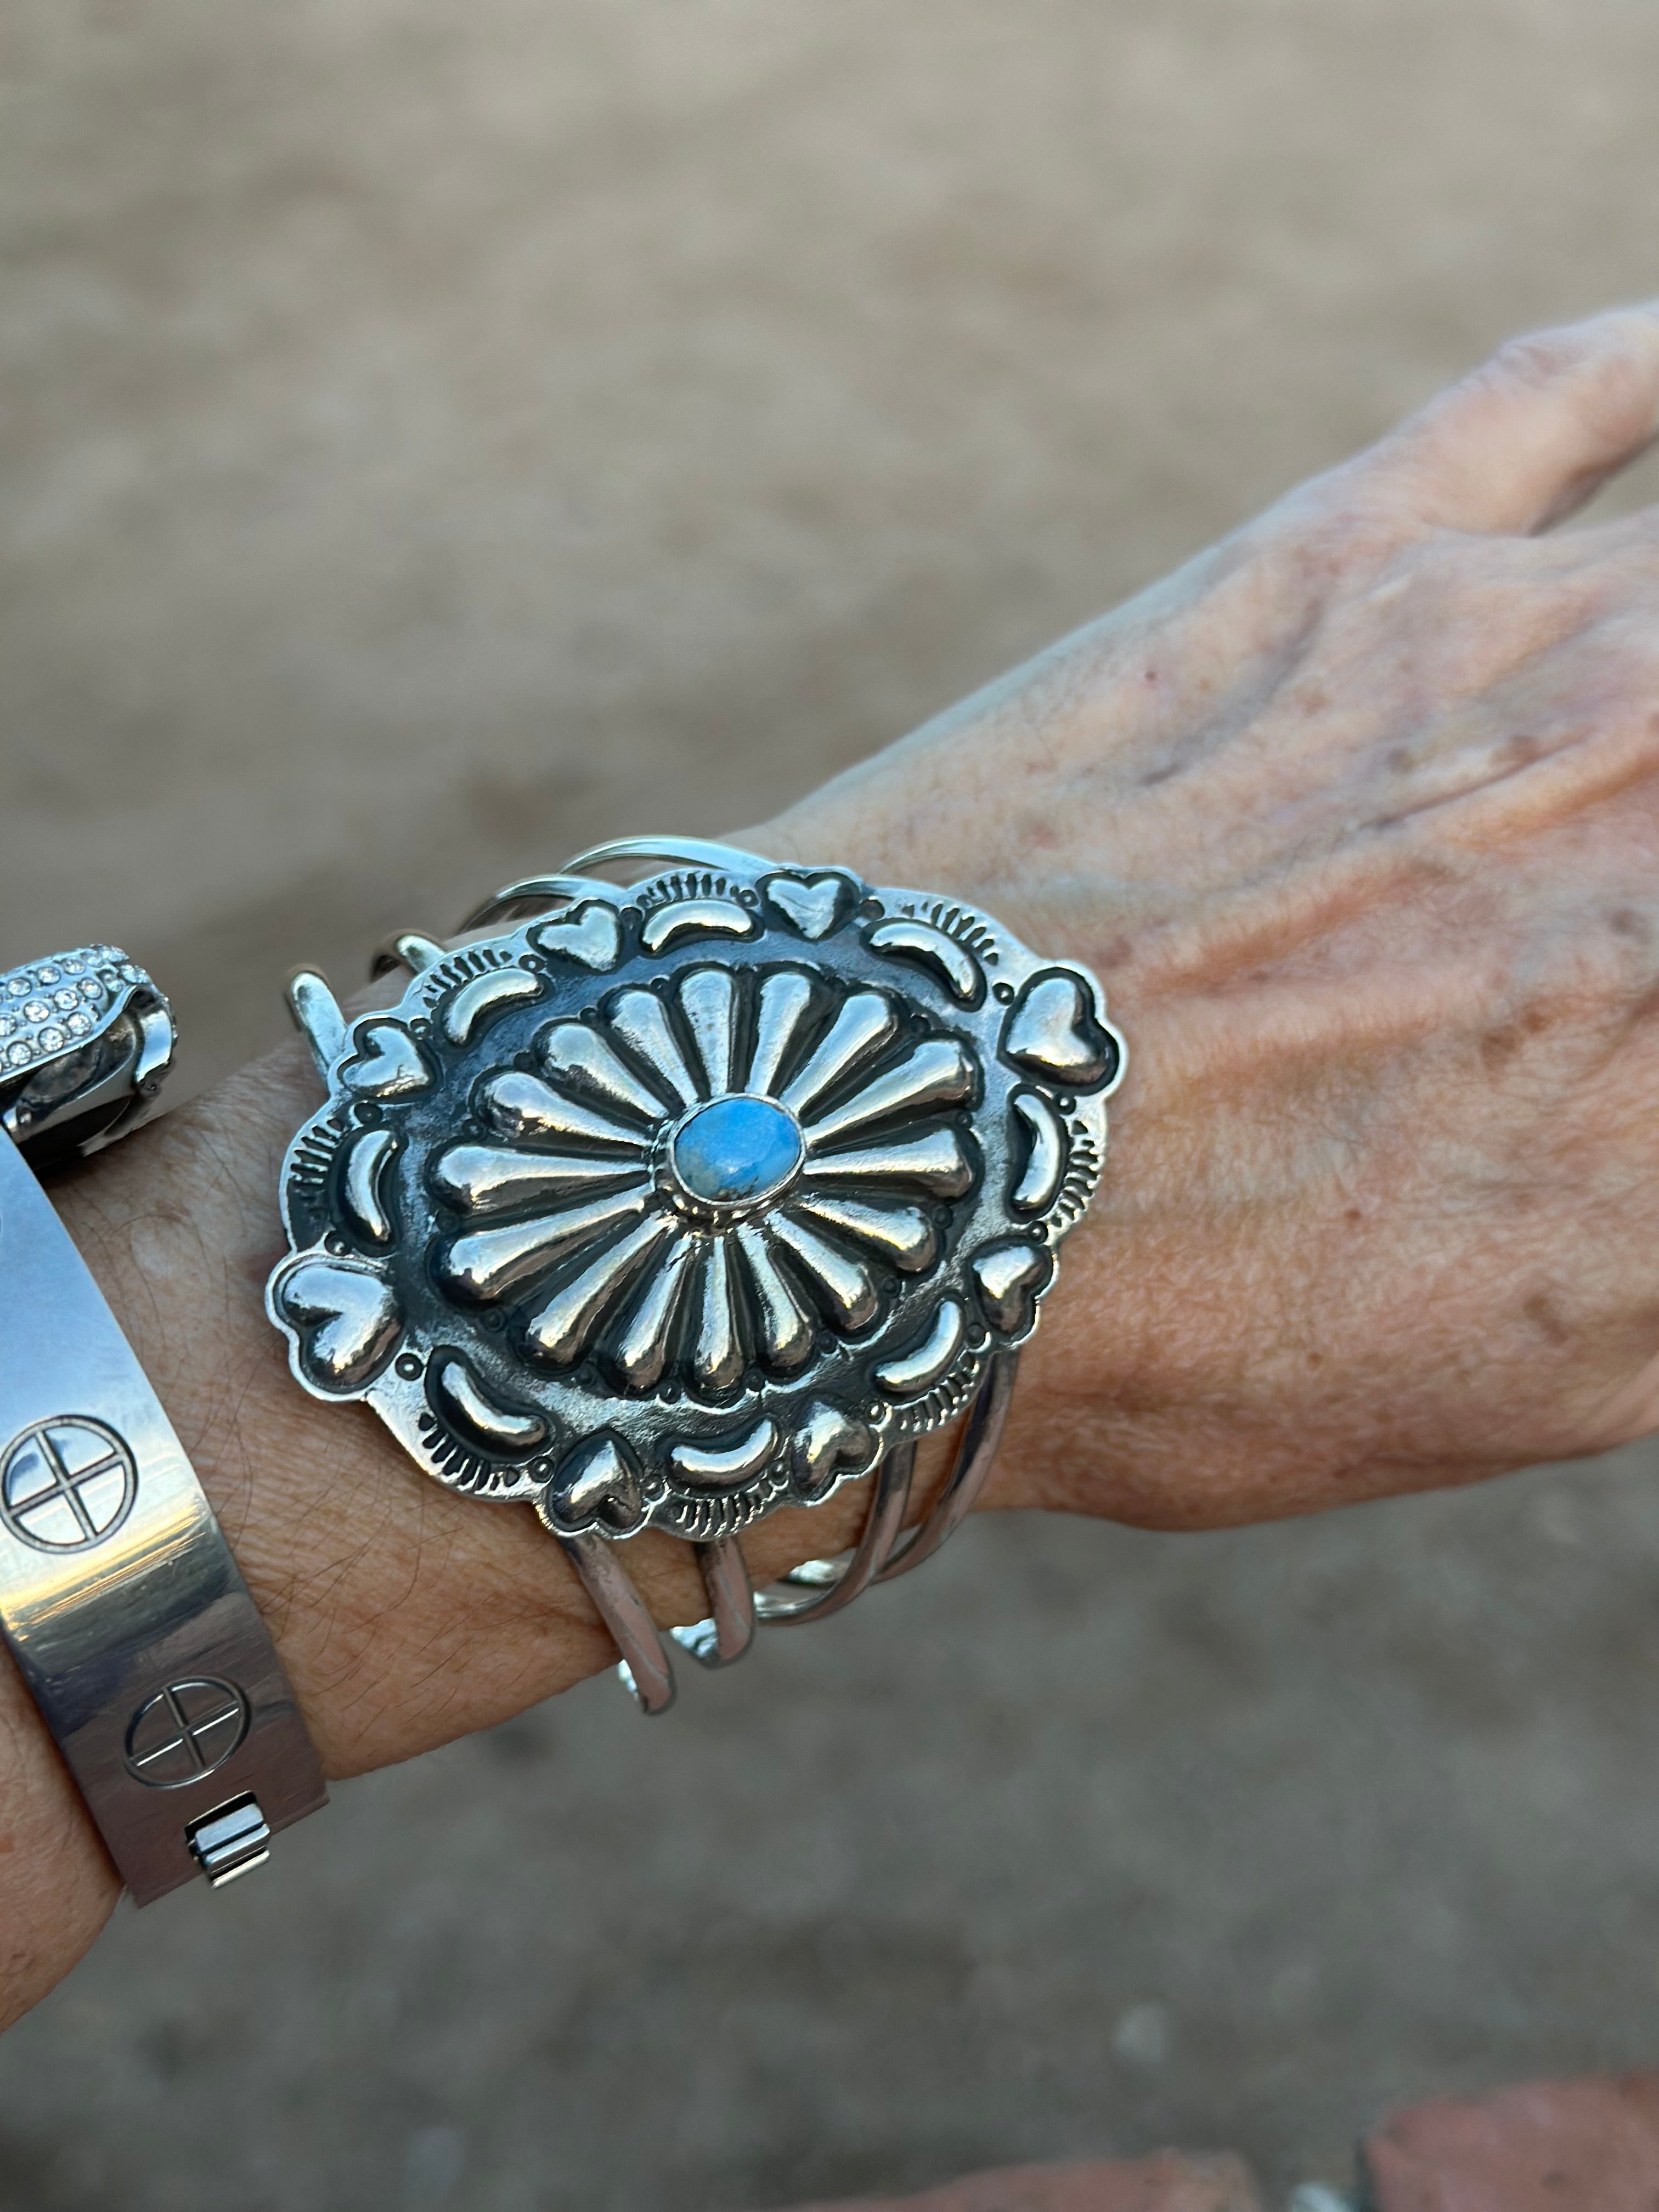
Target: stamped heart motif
point(345, 1317)
point(1010, 1278)
point(815, 904)
point(599, 1481)
point(1052, 1032)
point(387, 1063)
point(590, 934)
point(829, 1443)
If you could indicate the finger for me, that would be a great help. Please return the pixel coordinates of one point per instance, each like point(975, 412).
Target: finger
point(1530, 435)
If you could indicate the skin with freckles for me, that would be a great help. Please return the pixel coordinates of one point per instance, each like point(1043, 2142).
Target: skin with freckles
point(1356, 816)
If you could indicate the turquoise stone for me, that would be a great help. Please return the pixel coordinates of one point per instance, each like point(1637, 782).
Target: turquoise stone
point(736, 1149)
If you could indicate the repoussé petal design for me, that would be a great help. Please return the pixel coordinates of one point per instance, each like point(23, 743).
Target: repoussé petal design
point(612, 1233)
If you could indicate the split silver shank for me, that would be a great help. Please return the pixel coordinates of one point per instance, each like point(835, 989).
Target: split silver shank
point(119, 1599)
point(677, 1203)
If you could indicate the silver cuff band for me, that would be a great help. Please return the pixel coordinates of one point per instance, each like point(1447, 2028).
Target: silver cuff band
point(119, 1599)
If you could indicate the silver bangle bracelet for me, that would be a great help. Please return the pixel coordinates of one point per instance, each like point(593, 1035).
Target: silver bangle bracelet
point(678, 1203)
point(122, 1606)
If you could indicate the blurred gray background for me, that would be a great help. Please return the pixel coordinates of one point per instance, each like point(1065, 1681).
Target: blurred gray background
point(434, 437)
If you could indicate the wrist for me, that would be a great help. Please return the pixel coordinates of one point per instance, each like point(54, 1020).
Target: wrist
point(406, 1616)
point(1074, 1370)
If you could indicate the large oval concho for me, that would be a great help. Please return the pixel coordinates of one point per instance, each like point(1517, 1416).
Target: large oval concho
point(689, 1202)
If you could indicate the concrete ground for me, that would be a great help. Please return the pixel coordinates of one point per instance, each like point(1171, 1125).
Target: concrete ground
point(434, 437)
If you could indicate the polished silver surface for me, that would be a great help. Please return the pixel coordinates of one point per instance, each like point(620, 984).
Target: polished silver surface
point(230, 1843)
point(976, 1453)
point(729, 1628)
point(680, 1202)
point(646, 1668)
point(118, 1597)
point(825, 1586)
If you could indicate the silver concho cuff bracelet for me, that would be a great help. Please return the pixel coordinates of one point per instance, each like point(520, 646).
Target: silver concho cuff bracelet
point(678, 1203)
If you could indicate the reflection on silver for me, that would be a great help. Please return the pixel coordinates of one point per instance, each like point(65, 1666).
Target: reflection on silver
point(68, 1484)
point(815, 1596)
point(736, 1463)
point(318, 1017)
point(952, 962)
point(1010, 1276)
point(729, 1630)
point(919, 1369)
point(185, 1732)
point(365, 1162)
point(118, 1597)
point(1045, 1152)
point(590, 934)
point(646, 1668)
point(695, 917)
point(496, 1428)
point(1055, 1032)
point(597, 1485)
point(485, 995)
point(828, 1443)
point(345, 1317)
point(975, 1454)
point(387, 1062)
point(231, 1842)
point(406, 948)
point(814, 904)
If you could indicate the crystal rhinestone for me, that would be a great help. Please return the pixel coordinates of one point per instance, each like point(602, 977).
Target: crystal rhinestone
point(73, 967)
point(92, 988)
point(38, 1009)
point(20, 986)
point(7, 1025)
point(21, 1053)
point(64, 1000)
point(78, 1024)
point(52, 1040)
point(736, 1149)
point(47, 975)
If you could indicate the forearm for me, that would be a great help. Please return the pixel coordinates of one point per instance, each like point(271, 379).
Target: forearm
point(405, 1616)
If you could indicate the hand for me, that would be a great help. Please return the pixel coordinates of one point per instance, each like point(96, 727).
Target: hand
point(1357, 819)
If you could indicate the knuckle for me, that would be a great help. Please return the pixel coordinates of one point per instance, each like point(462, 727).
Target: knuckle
point(1336, 523)
point(1597, 372)
point(1535, 361)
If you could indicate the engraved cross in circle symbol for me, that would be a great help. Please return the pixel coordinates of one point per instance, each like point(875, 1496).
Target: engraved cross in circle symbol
point(185, 1731)
point(66, 1484)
